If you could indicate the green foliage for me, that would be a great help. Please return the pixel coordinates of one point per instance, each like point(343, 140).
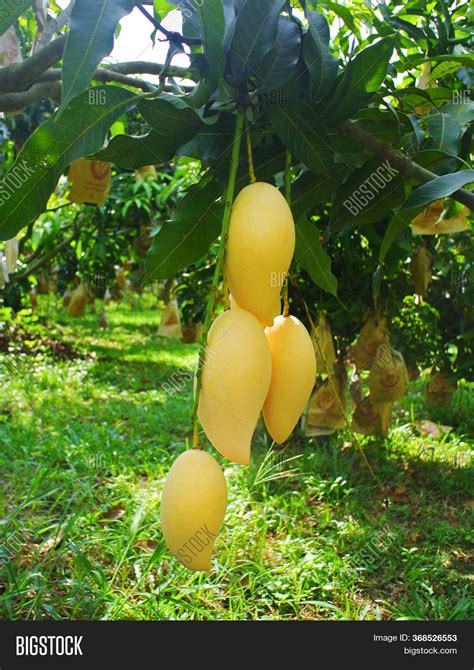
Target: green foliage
point(9, 13)
point(303, 71)
point(187, 236)
point(439, 188)
point(90, 39)
point(54, 145)
point(310, 254)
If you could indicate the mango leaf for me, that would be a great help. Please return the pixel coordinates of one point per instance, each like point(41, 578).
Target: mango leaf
point(368, 195)
point(90, 39)
point(321, 64)
point(162, 8)
point(440, 187)
point(299, 128)
point(345, 14)
point(398, 223)
point(132, 152)
point(212, 141)
point(184, 239)
point(255, 32)
point(80, 131)
point(310, 254)
point(362, 78)
point(170, 116)
point(11, 11)
point(276, 67)
point(310, 190)
point(461, 112)
point(210, 18)
point(445, 134)
point(173, 123)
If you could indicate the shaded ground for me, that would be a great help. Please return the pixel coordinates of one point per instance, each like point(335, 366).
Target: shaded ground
point(85, 446)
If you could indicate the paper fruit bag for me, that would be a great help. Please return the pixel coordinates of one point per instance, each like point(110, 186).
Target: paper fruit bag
point(388, 377)
point(90, 182)
point(170, 324)
point(374, 332)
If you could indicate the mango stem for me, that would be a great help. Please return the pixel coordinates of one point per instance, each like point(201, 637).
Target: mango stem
point(286, 304)
point(252, 176)
point(229, 199)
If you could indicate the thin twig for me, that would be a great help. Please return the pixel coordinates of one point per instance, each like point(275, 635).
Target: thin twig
point(170, 35)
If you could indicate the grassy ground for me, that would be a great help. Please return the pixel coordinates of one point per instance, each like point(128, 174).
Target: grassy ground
point(86, 444)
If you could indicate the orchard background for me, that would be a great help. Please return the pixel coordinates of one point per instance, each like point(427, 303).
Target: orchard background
point(361, 114)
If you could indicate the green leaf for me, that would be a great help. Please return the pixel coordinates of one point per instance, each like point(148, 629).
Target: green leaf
point(173, 124)
point(212, 140)
point(184, 239)
point(210, 17)
point(301, 131)
point(170, 116)
point(254, 35)
point(461, 112)
point(398, 223)
point(438, 188)
point(310, 254)
point(345, 14)
point(90, 39)
point(321, 64)
point(80, 131)
point(132, 152)
point(445, 134)
point(362, 78)
point(163, 8)
point(310, 190)
point(368, 195)
point(276, 67)
point(11, 11)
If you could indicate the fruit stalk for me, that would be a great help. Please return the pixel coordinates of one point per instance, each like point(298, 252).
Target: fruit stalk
point(286, 305)
point(229, 198)
point(252, 176)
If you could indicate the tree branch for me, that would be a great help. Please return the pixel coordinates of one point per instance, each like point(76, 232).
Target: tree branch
point(14, 102)
point(18, 76)
point(36, 265)
point(55, 25)
point(404, 164)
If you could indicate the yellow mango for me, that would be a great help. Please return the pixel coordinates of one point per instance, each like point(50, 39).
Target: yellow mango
point(260, 246)
point(235, 382)
point(293, 376)
point(193, 505)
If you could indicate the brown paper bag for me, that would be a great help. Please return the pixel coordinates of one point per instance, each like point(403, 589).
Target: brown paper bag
point(374, 332)
point(431, 221)
point(67, 297)
point(170, 324)
point(327, 406)
point(388, 376)
point(440, 389)
point(78, 302)
point(11, 254)
point(372, 418)
point(420, 266)
point(90, 181)
point(3, 271)
point(322, 335)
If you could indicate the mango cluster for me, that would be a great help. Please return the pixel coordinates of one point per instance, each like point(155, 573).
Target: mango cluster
point(257, 360)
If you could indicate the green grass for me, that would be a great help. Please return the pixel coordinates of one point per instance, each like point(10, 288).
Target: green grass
point(86, 445)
